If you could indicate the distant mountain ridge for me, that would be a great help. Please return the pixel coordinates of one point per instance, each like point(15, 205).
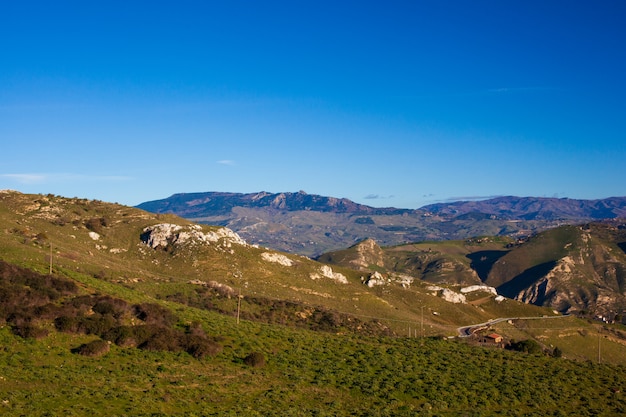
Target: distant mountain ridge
point(506, 207)
point(536, 208)
point(310, 224)
point(215, 203)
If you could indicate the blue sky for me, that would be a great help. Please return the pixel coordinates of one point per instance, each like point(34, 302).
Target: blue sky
point(395, 103)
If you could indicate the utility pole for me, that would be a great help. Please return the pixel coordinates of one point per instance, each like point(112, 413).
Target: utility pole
point(599, 339)
point(422, 321)
point(238, 305)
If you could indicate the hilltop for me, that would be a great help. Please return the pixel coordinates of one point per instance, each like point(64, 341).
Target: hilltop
point(311, 224)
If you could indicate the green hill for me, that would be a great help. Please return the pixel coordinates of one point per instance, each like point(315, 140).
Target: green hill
point(109, 310)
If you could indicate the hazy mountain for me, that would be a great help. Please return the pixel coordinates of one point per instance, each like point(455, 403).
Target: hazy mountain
point(535, 208)
point(216, 203)
point(311, 225)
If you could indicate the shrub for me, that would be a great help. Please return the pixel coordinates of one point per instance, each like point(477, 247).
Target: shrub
point(200, 347)
point(67, 324)
point(97, 324)
point(255, 359)
point(527, 346)
point(28, 331)
point(113, 306)
point(97, 224)
point(121, 335)
point(166, 339)
point(154, 314)
point(95, 348)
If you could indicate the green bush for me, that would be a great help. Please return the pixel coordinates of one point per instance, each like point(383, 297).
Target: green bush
point(95, 348)
point(526, 346)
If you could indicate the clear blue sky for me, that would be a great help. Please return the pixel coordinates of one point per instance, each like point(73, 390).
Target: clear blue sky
point(387, 103)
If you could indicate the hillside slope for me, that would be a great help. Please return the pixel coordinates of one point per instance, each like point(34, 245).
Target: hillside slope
point(571, 269)
point(110, 310)
point(169, 258)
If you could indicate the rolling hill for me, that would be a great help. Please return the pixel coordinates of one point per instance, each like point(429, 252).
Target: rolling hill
point(572, 269)
point(112, 310)
point(166, 257)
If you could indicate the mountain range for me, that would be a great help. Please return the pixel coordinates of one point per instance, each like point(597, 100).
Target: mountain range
point(311, 224)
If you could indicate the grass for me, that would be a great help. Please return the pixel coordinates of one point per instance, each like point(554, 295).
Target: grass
point(306, 373)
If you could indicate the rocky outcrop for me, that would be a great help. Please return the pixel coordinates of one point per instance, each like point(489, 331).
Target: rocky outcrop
point(326, 271)
point(277, 258)
point(166, 235)
point(368, 253)
point(375, 279)
point(484, 288)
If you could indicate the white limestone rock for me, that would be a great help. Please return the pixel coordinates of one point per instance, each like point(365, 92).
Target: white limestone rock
point(375, 279)
point(164, 234)
point(483, 288)
point(276, 258)
point(326, 271)
point(453, 297)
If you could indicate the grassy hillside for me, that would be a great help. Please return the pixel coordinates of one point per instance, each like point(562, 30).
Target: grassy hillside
point(102, 242)
point(462, 262)
point(262, 369)
point(131, 322)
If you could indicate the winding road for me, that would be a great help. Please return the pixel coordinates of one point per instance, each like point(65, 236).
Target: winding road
point(466, 331)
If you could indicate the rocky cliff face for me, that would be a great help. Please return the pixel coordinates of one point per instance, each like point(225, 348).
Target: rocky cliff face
point(570, 269)
point(368, 253)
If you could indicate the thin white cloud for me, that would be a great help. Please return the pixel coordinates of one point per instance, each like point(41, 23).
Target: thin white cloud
point(229, 162)
point(26, 178)
point(39, 178)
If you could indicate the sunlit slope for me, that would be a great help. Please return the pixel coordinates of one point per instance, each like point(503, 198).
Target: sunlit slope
point(570, 268)
point(163, 257)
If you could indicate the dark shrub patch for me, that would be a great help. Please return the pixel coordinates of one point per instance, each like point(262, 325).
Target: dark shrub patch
point(199, 347)
point(94, 348)
point(28, 331)
point(97, 224)
point(255, 359)
point(97, 324)
point(154, 314)
point(163, 339)
point(67, 324)
point(113, 306)
point(526, 346)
